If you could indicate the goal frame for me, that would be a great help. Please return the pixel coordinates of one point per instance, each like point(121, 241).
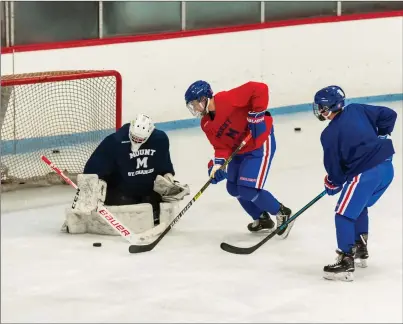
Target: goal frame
point(59, 76)
point(22, 79)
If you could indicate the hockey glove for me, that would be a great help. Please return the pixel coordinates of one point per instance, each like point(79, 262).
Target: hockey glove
point(170, 189)
point(256, 123)
point(215, 173)
point(330, 188)
point(386, 136)
point(384, 132)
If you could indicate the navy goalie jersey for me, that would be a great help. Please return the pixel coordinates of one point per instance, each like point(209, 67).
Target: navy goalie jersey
point(131, 174)
point(351, 144)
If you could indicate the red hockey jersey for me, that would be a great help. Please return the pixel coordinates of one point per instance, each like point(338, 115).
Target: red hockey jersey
point(229, 126)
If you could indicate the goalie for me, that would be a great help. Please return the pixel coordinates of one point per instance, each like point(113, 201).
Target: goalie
point(132, 174)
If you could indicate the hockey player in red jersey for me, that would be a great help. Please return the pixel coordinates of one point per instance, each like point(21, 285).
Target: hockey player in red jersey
point(226, 119)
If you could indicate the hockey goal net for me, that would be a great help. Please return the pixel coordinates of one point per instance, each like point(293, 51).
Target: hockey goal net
point(63, 115)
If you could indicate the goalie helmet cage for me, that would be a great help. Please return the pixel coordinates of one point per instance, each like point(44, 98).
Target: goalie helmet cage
point(60, 114)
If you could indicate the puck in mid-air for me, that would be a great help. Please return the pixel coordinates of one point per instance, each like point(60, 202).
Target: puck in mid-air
point(55, 151)
point(96, 244)
point(297, 129)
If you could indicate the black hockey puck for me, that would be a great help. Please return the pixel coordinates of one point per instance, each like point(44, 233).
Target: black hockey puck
point(96, 244)
point(55, 151)
point(297, 129)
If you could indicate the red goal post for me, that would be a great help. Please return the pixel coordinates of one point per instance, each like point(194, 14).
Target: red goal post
point(61, 114)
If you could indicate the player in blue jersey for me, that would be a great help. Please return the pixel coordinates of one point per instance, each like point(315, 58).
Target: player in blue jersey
point(131, 167)
point(358, 161)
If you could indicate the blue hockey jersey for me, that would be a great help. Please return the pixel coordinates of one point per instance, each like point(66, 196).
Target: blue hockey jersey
point(351, 144)
point(127, 172)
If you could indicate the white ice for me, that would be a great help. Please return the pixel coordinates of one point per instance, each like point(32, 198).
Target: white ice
point(48, 276)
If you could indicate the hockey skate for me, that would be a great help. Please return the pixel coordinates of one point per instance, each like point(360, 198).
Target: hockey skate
point(361, 253)
point(343, 269)
point(282, 216)
point(264, 222)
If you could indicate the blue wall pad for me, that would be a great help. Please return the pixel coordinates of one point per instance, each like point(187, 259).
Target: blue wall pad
point(194, 122)
point(35, 144)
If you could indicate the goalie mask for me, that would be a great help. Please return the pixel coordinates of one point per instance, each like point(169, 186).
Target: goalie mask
point(140, 130)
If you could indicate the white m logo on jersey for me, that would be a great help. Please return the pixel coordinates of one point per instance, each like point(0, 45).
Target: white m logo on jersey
point(142, 162)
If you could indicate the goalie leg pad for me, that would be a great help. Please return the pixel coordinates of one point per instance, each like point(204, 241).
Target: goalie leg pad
point(91, 190)
point(138, 218)
point(75, 223)
point(168, 212)
point(97, 225)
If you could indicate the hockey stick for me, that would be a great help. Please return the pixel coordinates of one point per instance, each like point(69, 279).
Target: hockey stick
point(248, 250)
point(106, 215)
point(149, 247)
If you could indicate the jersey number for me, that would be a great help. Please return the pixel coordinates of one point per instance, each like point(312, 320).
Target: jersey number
point(232, 133)
point(142, 162)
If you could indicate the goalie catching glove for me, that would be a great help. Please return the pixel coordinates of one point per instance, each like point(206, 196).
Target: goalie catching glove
point(170, 189)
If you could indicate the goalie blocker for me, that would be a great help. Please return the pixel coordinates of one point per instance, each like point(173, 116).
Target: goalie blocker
point(140, 214)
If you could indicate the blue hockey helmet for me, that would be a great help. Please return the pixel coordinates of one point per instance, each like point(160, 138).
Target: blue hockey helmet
point(197, 97)
point(328, 100)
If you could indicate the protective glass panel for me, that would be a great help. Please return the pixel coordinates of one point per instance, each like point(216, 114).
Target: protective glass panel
point(55, 21)
point(3, 24)
point(282, 10)
point(141, 17)
point(350, 7)
point(209, 14)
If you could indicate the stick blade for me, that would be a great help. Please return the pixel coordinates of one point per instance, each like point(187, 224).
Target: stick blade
point(141, 248)
point(236, 250)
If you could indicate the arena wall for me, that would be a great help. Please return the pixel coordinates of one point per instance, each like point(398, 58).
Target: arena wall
point(364, 57)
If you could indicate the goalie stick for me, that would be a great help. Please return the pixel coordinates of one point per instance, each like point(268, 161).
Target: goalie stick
point(106, 215)
point(149, 247)
point(248, 250)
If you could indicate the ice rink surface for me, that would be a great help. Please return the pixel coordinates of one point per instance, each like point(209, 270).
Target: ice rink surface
point(48, 276)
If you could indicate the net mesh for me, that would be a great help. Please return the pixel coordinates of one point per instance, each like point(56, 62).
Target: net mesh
point(63, 115)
